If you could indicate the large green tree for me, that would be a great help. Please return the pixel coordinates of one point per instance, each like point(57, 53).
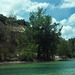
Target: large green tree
point(45, 33)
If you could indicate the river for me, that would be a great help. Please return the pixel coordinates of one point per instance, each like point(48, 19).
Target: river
point(43, 68)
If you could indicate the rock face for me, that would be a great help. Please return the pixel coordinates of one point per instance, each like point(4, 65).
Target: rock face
point(8, 39)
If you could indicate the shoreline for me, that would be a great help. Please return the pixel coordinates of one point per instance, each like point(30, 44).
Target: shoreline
point(57, 58)
point(25, 62)
point(13, 62)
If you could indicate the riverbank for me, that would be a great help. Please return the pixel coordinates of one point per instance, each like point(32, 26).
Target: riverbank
point(56, 58)
point(13, 62)
point(24, 62)
point(63, 58)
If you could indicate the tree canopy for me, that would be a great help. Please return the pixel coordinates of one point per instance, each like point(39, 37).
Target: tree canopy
point(45, 33)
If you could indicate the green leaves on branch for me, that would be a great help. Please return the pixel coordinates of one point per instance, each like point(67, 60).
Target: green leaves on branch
point(45, 33)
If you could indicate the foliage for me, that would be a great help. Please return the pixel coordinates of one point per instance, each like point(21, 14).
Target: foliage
point(71, 46)
point(21, 22)
point(26, 47)
point(11, 20)
point(2, 18)
point(44, 33)
point(66, 48)
point(62, 48)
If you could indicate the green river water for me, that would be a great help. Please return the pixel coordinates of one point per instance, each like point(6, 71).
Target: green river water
point(43, 68)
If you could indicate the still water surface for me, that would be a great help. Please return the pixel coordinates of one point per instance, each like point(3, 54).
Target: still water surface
point(44, 68)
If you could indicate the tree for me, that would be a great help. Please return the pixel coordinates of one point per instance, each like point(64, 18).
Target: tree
point(21, 22)
point(11, 20)
point(71, 43)
point(45, 34)
point(2, 18)
point(62, 48)
point(26, 47)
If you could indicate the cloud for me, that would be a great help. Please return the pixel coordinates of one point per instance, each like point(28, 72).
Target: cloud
point(63, 22)
point(8, 6)
point(54, 20)
point(69, 21)
point(35, 5)
point(68, 30)
point(67, 4)
point(19, 17)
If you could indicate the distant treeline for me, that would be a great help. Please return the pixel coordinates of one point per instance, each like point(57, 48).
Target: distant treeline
point(38, 39)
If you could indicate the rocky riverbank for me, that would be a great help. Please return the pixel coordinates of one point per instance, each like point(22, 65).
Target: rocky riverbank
point(13, 62)
point(57, 58)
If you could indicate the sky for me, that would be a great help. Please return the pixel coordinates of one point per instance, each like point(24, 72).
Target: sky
point(61, 11)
